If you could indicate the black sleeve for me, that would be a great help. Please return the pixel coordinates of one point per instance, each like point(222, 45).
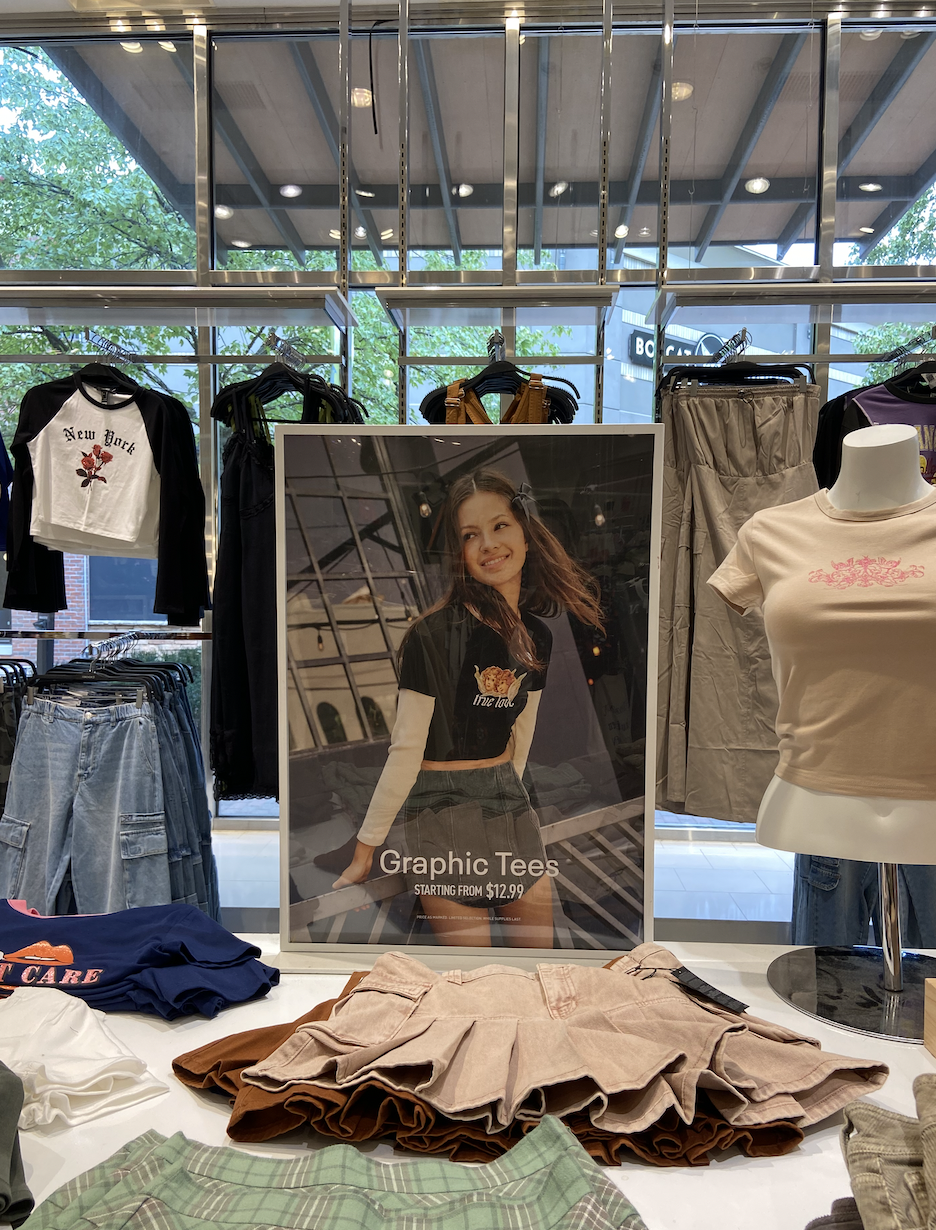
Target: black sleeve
point(542, 641)
point(35, 574)
point(837, 419)
point(417, 671)
point(182, 570)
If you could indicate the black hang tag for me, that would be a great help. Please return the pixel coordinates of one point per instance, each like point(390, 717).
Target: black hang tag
point(692, 982)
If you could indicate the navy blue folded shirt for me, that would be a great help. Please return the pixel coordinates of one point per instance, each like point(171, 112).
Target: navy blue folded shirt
point(170, 960)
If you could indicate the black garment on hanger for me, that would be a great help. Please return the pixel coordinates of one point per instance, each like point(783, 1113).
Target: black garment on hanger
point(244, 742)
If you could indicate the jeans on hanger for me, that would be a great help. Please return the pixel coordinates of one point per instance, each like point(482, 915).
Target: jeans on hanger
point(835, 900)
point(85, 797)
point(198, 796)
point(244, 744)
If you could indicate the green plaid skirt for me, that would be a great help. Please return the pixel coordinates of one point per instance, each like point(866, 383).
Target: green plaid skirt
point(546, 1182)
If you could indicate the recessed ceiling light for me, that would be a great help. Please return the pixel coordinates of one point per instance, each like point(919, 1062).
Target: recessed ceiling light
point(558, 188)
point(870, 35)
point(870, 187)
point(866, 230)
point(290, 190)
point(362, 192)
point(133, 48)
point(167, 46)
point(465, 189)
point(360, 232)
point(223, 211)
point(386, 234)
point(240, 243)
point(757, 185)
point(361, 97)
point(333, 234)
point(909, 33)
point(682, 90)
point(620, 232)
point(594, 234)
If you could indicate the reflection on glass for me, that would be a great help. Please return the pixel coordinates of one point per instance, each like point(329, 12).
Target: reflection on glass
point(327, 530)
point(886, 210)
point(331, 723)
point(377, 686)
point(375, 525)
point(328, 685)
point(356, 617)
point(560, 149)
point(744, 147)
point(78, 196)
point(310, 634)
point(456, 180)
point(275, 153)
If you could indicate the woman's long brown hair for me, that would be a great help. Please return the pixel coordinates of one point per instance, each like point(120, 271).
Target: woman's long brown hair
point(552, 582)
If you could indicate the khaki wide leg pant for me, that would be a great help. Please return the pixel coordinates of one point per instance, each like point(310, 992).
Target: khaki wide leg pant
point(728, 451)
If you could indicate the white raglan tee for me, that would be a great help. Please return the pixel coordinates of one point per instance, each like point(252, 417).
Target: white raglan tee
point(96, 489)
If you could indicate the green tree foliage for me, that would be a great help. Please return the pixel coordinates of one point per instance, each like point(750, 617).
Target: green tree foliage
point(911, 242)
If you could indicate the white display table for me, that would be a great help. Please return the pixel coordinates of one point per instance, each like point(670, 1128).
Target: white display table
point(733, 1193)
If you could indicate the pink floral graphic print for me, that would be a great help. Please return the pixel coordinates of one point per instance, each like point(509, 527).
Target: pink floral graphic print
point(91, 465)
point(866, 572)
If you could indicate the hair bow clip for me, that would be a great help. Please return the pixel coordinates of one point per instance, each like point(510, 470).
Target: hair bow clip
point(526, 501)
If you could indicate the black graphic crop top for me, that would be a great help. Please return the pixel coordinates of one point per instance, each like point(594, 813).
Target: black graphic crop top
point(480, 689)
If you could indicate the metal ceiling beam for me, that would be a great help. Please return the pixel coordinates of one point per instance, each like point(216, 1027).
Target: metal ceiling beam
point(872, 110)
point(314, 86)
point(180, 196)
point(889, 217)
point(777, 75)
point(542, 103)
point(430, 97)
point(247, 164)
point(648, 122)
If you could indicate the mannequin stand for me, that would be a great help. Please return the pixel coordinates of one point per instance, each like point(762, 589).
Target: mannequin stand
point(877, 991)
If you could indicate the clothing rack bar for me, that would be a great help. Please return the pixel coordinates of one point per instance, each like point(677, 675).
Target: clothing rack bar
point(693, 360)
point(528, 361)
point(79, 360)
point(93, 634)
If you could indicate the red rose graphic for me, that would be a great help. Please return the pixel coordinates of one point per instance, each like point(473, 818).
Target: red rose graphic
point(91, 465)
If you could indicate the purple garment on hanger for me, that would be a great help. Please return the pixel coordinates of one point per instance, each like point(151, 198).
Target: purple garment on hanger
point(882, 404)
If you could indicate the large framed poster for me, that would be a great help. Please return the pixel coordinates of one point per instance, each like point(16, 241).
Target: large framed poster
point(467, 639)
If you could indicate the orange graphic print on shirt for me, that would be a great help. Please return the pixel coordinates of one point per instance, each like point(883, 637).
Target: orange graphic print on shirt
point(496, 681)
point(44, 964)
point(865, 572)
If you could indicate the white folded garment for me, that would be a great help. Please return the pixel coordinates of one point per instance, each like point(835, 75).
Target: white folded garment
point(72, 1067)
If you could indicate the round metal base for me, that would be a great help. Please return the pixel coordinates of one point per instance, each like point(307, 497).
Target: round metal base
point(845, 986)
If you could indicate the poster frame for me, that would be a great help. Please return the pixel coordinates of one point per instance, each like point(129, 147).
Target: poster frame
point(342, 958)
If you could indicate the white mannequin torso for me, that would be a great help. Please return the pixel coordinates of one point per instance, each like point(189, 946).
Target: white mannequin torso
point(880, 470)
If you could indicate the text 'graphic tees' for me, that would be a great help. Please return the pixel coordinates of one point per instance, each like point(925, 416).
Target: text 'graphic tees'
point(849, 603)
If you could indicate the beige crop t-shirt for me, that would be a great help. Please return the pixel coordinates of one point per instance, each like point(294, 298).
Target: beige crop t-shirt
point(849, 604)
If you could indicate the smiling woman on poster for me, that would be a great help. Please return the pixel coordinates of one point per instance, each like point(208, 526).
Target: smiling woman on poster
point(472, 671)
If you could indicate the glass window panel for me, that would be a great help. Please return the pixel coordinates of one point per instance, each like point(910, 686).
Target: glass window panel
point(301, 736)
point(871, 338)
point(97, 155)
point(330, 702)
point(356, 617)
point(456, 137)
point(744, 148)
point(886, 210)
point(634, 153)
point(327, 531)
point(560, 137)
point(275, 171)
point(399, 606)
point(374, 363)
point(310, 635)
point(379, 538)
point(122, 590)
point(374, 173)
point(377, 687)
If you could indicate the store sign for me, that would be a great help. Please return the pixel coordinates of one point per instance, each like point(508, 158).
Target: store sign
point(642, 347)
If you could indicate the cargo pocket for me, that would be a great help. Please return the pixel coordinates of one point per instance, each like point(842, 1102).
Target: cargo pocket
point(144, 852)
point(819, 871)
point(13, 834)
